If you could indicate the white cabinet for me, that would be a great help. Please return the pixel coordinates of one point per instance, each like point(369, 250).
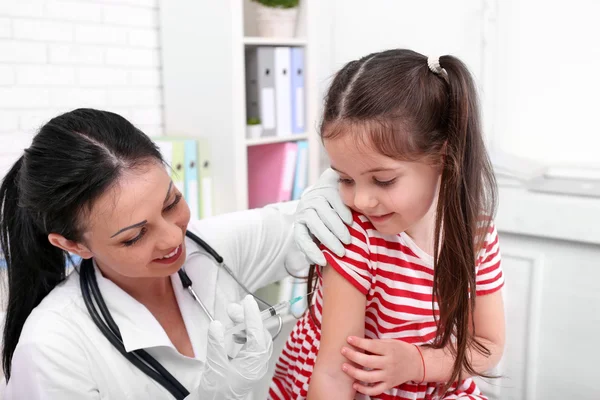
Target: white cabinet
point(551, 259)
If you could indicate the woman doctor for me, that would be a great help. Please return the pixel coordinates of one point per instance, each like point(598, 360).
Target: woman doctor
point(93, 185)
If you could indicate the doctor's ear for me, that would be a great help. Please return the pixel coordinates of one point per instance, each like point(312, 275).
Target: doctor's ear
point(69, 245)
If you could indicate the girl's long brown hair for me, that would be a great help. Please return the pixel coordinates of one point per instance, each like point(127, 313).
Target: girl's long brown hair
point(392, 101)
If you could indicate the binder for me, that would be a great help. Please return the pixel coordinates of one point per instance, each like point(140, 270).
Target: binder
point(205, 179)
point(297, 90)
point(172, 151)
point(260, 87)
point(178, 165)
point(283, 85)
point(191, 193)
point(189, 161)
point(301, 173)
point(271, 170)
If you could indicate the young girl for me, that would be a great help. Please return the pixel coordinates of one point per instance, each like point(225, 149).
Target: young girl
point(413, 309)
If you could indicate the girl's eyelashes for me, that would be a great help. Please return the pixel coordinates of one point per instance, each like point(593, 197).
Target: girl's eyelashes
point(174, 203)
point(345, 181)
point(384, 183)
point(135, 239)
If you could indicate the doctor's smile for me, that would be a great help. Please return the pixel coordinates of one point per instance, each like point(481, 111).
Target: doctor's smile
point(171, 257)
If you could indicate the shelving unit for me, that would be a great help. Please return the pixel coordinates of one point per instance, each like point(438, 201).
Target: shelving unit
point(203, 56)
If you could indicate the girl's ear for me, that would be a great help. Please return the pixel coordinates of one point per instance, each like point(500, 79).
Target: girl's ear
point(70, 246)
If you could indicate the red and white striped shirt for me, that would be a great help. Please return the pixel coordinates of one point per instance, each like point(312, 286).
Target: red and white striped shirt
point(396, 276)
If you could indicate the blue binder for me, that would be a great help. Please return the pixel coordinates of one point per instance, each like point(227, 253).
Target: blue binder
point(297, 91)
point(301, 174)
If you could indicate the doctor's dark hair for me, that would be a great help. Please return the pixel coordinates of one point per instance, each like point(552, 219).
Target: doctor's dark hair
point(392, 102)
point(73, 159)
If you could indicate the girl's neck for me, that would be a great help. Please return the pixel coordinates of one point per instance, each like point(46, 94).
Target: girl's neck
point(423, 231)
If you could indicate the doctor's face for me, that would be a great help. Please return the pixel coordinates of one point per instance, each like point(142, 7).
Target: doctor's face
point(137, 228)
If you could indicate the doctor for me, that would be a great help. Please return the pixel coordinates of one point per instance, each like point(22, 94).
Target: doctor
point(93, 185)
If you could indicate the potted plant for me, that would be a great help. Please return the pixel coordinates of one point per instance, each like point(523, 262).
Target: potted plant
point(253, 128)
point(276, 18)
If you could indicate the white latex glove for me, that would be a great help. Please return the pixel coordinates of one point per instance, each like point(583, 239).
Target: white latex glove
point(322, 213)
point(213, 383)
point(252, 362)
point(225, 379)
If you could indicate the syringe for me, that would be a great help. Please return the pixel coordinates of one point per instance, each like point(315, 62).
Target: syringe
point(266, 314)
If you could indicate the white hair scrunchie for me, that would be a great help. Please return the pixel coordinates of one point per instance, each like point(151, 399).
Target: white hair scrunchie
point(434, 65)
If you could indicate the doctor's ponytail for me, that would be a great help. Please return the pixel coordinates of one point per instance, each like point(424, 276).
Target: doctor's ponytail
point(72, 161)
point(34, 266)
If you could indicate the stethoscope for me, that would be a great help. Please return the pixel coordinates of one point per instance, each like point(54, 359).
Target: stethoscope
point(140, 358)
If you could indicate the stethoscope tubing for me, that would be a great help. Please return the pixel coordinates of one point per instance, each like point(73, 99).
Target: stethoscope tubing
point(140, 358)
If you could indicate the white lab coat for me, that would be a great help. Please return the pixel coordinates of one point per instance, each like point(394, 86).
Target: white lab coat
point(62, 355)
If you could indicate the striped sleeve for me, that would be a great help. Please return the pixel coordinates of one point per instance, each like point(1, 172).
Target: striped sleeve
point(355, 266)
point(489, 277)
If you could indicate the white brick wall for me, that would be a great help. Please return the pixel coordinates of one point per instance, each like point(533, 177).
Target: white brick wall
point(57, 55)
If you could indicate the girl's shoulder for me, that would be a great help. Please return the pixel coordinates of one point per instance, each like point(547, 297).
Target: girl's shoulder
point(362, 224)
point(487, 240)
point(364, 231)
point(486, 232)
point(362, 228)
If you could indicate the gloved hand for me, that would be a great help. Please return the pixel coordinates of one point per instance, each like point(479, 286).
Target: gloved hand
point(213, 381)
point(252, 362)
point(234, 379)
point(322, 213)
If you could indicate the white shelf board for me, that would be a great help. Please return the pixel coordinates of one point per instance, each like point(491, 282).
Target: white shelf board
point(276, 139)
point(267, 41)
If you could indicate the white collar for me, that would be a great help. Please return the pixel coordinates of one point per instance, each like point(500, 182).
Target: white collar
point(139, 329)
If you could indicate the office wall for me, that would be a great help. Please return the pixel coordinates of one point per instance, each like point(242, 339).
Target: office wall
point(546, 59)
point(56, 55)
point(351, 30)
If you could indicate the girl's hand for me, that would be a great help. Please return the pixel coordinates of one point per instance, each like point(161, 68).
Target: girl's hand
point(389, 363)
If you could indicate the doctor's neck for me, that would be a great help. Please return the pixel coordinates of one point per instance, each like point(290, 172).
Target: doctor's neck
point(143, 289)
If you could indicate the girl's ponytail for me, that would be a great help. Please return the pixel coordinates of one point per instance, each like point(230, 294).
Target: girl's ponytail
point(413, 108)
point(465, 207)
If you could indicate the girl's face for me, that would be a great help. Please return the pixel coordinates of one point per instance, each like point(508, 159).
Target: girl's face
point(396, 196)
point(137, 228)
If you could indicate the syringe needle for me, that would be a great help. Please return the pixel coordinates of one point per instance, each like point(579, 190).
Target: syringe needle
point(272, 311)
